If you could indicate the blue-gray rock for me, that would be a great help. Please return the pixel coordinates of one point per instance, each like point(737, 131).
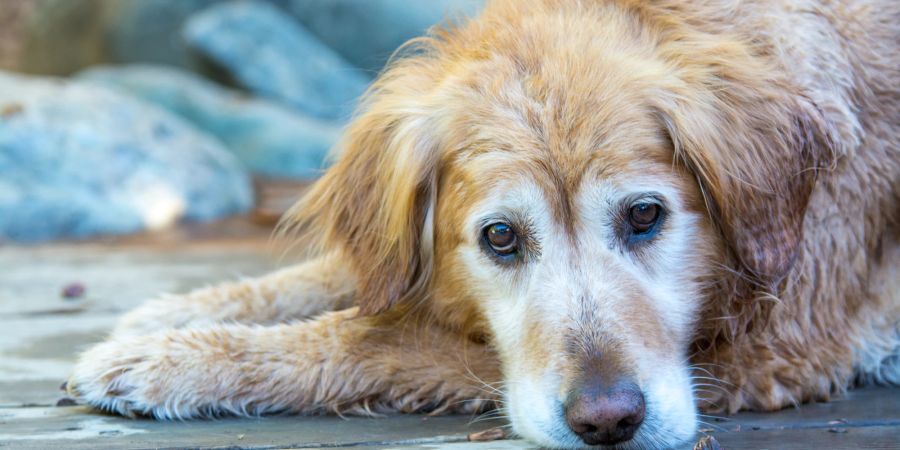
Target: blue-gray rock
point(78, 160)
point(269, 53)
point(366, 32)
point(149, 31)
point(269, 139)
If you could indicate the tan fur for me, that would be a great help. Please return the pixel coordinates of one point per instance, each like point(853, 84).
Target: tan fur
point(774, 124)
point(297, 292)
point(247, 370)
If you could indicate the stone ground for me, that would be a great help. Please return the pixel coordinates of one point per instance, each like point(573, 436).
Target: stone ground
point(41, 332)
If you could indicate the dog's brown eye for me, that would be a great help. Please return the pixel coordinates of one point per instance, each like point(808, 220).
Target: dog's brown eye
point(643, 216)
point(502, 239)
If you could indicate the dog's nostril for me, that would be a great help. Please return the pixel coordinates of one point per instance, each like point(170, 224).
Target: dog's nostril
point(606, 416)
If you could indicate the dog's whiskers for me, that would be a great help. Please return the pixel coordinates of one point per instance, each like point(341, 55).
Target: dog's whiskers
point(718, 381)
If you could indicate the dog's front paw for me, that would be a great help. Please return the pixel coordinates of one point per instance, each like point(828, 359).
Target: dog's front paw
point(123, 376)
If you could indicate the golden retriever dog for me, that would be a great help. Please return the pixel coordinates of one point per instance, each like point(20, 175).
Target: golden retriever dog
point(597, 216)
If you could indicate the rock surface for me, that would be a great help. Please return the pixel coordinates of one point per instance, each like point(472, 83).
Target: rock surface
point(271, 55)
point(269, 139)
point(64, 36)
point(366, 32)
point(78, 160)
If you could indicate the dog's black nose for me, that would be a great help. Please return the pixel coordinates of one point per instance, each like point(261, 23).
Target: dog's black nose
point(605, 415)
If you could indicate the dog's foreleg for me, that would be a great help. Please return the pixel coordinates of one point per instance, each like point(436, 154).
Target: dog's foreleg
point(336, 363)
point(304, 290)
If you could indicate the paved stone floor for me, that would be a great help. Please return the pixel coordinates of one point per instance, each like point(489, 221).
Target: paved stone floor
point(41, 332)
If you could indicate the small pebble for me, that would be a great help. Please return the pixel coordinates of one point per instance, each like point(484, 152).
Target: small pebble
point(66, 401)
point(707, 443)
point(73, 290)
point(491, 434)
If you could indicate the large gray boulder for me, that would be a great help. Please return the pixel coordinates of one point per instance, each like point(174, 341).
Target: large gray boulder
point(269, 139)
point(267, 52)
point(78, 160)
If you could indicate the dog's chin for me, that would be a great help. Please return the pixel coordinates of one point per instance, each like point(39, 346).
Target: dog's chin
point(538, 416)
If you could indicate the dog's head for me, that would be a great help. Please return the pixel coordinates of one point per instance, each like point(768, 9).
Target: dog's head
point(569, 180)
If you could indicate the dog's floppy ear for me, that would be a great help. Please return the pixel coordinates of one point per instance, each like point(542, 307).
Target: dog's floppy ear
point(755, 147)
point(372, 204)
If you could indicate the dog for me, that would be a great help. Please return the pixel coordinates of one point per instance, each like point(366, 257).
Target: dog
point(597, 216)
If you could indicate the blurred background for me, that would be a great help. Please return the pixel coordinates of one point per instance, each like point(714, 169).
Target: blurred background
point(122, 116)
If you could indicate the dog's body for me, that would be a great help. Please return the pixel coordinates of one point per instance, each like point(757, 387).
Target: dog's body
point(573, 199)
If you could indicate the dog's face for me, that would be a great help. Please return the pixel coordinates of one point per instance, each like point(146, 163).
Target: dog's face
point(564, 226)
point(589, 282)
point(567, 180)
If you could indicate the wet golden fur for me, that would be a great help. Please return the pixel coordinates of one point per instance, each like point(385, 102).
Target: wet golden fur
point(776, 126)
